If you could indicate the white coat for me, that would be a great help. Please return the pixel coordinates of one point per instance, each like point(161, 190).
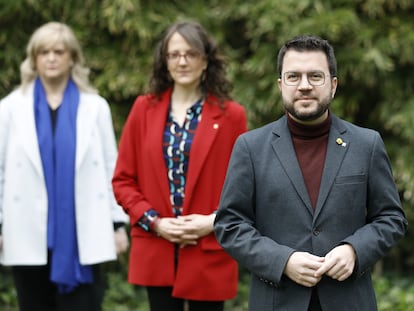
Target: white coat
point(23, 196)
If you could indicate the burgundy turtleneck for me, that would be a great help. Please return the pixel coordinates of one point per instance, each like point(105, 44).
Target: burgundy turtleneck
point(310, 142)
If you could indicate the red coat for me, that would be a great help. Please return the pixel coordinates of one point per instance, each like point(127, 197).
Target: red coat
point(205, 271)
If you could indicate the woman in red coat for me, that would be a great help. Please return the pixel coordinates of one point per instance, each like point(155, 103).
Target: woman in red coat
point(172, 161)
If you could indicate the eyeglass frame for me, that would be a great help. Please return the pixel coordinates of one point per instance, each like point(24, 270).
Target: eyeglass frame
point(307, 77)
point(189, 56)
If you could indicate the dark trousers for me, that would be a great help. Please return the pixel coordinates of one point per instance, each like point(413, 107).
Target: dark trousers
point(160, 299)
point(35, 292)
point(314, 304)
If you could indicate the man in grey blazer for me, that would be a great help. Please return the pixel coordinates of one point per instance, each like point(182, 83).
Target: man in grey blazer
point(309, 203)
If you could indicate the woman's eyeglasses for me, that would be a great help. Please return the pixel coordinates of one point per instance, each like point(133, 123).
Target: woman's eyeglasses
point(189, 56)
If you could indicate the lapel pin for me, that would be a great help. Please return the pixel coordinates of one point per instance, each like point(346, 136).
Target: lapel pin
point(340, 142)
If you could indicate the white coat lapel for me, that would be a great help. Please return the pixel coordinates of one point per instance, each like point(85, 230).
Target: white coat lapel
point(26, 128)
point(87, 113)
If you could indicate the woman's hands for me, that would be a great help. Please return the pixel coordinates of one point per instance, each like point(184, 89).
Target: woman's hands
point(185, 230)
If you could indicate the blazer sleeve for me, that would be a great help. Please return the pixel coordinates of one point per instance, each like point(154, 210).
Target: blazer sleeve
point(385, 220)
point(107, 134)
point(235, 220)
point(4, 119)
point(125, 181)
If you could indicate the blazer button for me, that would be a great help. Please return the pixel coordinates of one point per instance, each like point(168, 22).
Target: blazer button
point(316, 231)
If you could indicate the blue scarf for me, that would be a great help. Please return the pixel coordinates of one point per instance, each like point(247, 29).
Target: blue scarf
point(58, 153)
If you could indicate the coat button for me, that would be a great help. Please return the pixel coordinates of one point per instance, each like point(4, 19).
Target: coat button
point(316, 231)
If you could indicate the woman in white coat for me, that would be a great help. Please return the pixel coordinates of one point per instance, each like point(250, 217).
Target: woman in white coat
point(58, 215)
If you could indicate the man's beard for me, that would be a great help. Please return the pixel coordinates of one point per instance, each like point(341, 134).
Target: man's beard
point(322, 107)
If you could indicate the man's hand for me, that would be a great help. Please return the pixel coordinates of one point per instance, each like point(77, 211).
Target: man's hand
point(301, 268)
point(339, 263)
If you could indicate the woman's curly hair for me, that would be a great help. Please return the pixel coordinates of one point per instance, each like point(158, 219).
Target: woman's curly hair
point(214, 79)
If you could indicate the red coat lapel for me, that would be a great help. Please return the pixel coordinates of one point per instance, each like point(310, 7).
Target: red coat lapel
point(203, 141)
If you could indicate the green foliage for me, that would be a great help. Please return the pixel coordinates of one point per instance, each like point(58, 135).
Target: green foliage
point(8, 296)
point(122, 296)
point(373, 39)
point(394, 294)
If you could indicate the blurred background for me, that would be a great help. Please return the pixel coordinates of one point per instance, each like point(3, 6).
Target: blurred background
point(374, 46)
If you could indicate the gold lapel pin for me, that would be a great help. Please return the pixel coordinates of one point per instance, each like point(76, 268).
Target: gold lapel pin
point(340, 142)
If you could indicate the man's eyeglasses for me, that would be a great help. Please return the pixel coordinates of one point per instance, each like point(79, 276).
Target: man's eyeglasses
point(189, 56)
point(293, 78)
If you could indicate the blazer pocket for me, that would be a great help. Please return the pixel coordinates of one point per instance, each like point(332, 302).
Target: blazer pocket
point(350, 179)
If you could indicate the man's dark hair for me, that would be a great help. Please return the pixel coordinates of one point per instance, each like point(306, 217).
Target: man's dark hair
point(308, 43)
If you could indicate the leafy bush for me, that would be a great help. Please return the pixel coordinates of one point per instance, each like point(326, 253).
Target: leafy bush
point(394, 293)
point(122, 296)
point(8, 297)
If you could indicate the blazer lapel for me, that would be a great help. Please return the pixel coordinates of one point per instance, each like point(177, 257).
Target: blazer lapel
point(338, 144)
point(203, 141)
point(27, 130)
point(87, 113)
point(285, 152)
point(156, 116)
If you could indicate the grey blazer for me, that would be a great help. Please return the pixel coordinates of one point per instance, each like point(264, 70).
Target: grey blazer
point(265, 214)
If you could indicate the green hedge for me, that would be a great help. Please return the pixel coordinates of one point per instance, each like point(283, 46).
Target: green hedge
point(394, 293)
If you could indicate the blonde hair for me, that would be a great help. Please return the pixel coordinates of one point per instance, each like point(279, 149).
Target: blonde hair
point(49, 34)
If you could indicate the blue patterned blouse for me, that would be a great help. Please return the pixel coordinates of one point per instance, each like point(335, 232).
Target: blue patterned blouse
point(176, 145)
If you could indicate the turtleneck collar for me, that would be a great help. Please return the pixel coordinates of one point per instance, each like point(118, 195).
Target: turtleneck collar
point(309, 131)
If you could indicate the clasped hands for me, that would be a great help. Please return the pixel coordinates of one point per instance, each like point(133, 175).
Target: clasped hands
point(185, 230)
point(307, 269)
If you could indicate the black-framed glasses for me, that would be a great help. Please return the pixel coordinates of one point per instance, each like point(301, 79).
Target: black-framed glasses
point(189, 56)
point(315, 77)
